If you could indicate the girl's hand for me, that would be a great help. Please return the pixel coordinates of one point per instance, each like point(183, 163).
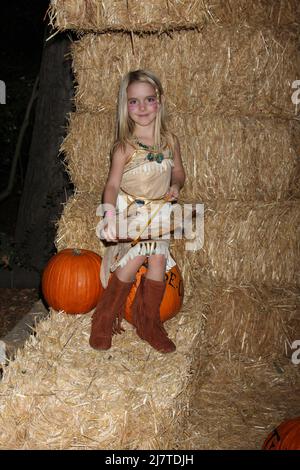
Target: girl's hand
point(110, 230)
point(106, 229)
point(173, 193)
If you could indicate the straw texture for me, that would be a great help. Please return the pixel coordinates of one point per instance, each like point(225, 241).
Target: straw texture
point(227, 69)
point(229, 101)
point(76, 227)
point(249, 70)
point(214, 392)
point(242, 158)
point(235, 403)
point(68, 396)
point(164, 15)
point(246, 242)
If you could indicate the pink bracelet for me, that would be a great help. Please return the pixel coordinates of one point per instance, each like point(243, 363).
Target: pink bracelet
point(110, 213)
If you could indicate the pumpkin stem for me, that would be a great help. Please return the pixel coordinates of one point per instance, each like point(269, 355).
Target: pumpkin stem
point(76, 251)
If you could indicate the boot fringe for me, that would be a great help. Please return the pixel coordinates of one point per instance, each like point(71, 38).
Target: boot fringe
point(146, 316)
point(117, 329)
point(109, 313)
point(138, 306)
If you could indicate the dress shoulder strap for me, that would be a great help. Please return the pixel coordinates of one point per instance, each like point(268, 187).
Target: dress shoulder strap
point(134, 153)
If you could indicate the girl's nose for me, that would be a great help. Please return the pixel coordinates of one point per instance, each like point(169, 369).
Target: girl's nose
point(142, 105)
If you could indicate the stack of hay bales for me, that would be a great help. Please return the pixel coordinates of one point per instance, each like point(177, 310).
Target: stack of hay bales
point(227, 70)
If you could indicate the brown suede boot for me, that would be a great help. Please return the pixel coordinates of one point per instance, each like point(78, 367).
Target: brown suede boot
point(145, 315)
point(107, 317)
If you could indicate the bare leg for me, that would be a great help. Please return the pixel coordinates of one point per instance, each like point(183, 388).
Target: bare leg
point(156, 267)
point(127, 273)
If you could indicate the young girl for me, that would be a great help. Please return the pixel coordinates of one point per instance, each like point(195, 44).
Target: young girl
point(146, 174)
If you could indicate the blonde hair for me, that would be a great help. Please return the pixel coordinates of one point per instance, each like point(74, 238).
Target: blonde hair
point(125, 125)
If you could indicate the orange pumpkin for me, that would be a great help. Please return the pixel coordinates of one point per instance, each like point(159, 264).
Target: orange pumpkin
point(285, 437)
point(173, 297)
point(71, 280)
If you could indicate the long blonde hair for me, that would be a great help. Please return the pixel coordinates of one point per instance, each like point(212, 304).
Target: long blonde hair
point(125, 125)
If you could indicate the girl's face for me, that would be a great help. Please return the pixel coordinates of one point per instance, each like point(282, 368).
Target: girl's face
point(142, 103)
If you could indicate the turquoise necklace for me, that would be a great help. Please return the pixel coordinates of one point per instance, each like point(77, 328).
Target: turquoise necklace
point(153, 154)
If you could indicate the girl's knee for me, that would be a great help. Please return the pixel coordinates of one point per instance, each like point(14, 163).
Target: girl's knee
point(140, 259)
point(157, 261)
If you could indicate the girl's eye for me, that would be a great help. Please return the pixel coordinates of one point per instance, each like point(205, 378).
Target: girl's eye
point(152, 99)
point(132, 102)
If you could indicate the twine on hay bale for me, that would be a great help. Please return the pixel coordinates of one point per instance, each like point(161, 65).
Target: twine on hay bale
point(164, 15)
point(231, 71)
point(65, 395)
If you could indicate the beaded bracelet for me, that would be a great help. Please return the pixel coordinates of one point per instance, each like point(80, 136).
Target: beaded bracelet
point(110, 213)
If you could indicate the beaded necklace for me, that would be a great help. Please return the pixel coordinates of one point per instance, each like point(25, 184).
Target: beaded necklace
point(153, 155)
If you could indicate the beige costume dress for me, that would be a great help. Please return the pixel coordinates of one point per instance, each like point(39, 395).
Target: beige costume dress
point(140, 201)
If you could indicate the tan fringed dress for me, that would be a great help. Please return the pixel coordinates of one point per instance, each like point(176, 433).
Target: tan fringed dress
point(140, 200)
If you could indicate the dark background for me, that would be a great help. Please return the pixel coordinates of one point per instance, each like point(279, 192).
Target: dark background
point(39, 97)
point(22, 29)
point(36, 72)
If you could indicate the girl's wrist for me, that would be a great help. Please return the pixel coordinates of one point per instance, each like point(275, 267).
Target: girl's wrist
point(110, 213)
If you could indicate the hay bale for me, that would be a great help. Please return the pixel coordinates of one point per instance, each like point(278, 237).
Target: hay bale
point(16, 338)
point(65, 395)
point(164, 15)
point(236, 403)
point(86, 149)
point(61, 394)
point(245, 382)
point(77, 225)
point(247, 243)
point(229, 72)
point(244, 158)
point(252, 322)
